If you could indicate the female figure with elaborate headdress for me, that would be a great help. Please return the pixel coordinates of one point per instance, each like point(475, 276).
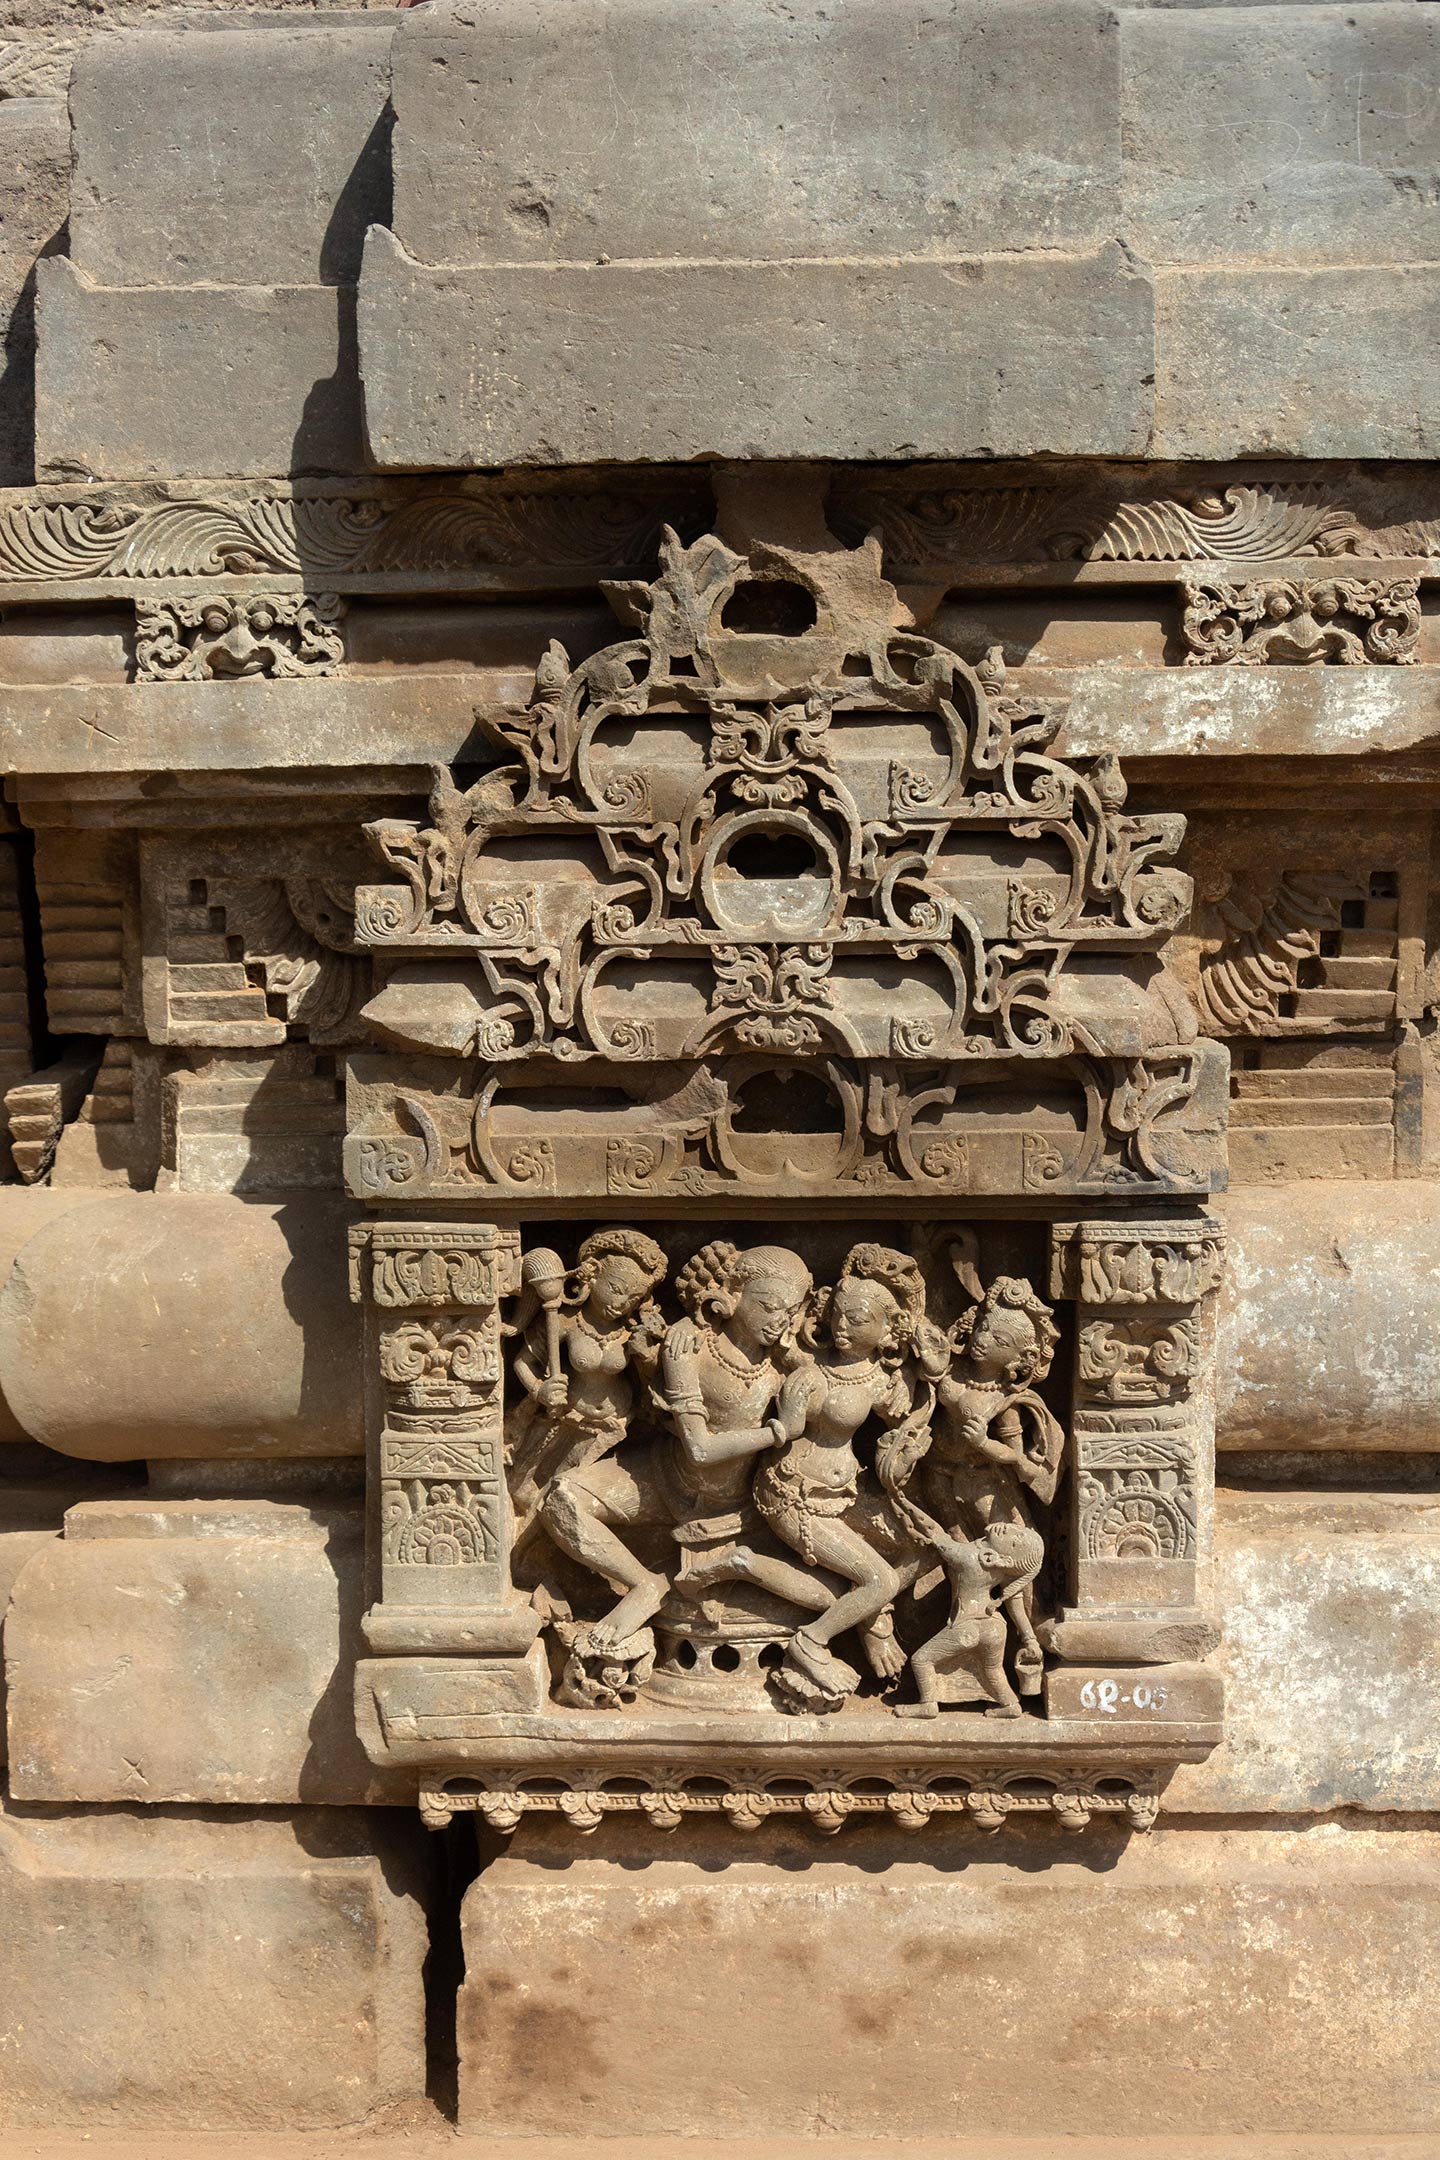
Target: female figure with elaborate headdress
point(992, 1450)
point(596, 1325)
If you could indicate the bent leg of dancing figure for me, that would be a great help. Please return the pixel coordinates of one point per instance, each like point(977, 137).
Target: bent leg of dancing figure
point(577, 1512)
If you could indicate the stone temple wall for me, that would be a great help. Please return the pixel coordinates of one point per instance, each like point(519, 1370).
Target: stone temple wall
point(719, 1269)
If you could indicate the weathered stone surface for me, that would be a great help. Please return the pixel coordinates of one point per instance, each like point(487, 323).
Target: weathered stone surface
point(262, 163)
point(554, 365)
point(24, 1210)
point(239, 379)
point(209, 1971)
point(888, 127)
point(1123, 1976)
point(1332, 1671)
point(227, 1318)
point(34, 190)
point(1329, 713)
point(1288, 138)
point(198, 1651)
point(1330, 1318)
point(1296, 362)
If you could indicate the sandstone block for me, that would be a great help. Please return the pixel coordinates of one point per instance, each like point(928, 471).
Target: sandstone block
point(1297, 362)
point(1235, 153)
point(209, 1972)
point(246, 380)
point(1125, 1977)
point(199, 1651)
point(937, 358)
point(710, 131)
point(34, 191)
point(1330, 1318)
point(229, 157)
point(1331, 1667)
point(212, 1326)
point(24, 1209)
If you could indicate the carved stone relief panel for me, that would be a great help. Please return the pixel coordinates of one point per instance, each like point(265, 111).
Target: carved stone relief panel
point(230, 637)
point(755, 1507)
point(1302, 622)
point(778, 842)
point(777, 900)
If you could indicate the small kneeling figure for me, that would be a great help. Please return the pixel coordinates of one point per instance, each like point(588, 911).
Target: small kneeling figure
point(973, 1642)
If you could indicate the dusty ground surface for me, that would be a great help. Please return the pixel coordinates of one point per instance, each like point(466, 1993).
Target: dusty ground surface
point(429, 2143)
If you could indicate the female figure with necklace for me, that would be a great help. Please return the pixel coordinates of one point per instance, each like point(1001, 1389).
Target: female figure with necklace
point(720, 1371)
point(575, 1366)
point(994, 1448)
point(807, 1492)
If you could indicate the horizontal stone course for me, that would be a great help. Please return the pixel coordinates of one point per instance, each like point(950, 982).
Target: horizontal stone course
point(1297, 362)
point(1329, 1656)
point(716, 131)
point(163, 1969)
point(1006, 355)
point(246, 380)
point(196, 1651)
point(262, 163)
point(1141, 1986)
point(1313, 139)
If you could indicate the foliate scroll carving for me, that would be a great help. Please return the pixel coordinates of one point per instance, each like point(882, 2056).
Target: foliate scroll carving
point(1127, 516)
point(419, 1264)
point(311, 530)
point(1349, 621)
point(1131, 1361)
point(1135, 1264)
point(778, 1122)
point(768, 818)
point(206, 637)
point(1303, 953)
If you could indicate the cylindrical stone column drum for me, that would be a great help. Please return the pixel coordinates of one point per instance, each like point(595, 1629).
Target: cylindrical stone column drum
point(154, 1325)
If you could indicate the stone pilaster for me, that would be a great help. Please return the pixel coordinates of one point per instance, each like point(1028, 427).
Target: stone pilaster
point(1143, 1435)
point(440, 1524)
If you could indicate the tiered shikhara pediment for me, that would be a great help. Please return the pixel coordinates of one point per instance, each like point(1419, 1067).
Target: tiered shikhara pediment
point(777, 908)
point(779, 829)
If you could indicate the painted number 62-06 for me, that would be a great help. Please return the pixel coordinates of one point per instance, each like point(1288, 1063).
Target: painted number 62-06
point(1106, 1695)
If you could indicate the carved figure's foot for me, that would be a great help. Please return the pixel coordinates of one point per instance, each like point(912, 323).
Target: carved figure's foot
point(813, 1678)
point(917, 1709)
point(600, 1673)
point(887, 1659)
point(1001, 1709)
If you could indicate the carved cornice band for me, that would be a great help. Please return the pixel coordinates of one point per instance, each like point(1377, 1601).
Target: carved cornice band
point(346, 535)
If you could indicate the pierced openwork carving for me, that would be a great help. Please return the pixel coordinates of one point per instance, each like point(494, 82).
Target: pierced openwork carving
point(1302, 622)
point(754, 837)
point(214, 636)
point(777, 899)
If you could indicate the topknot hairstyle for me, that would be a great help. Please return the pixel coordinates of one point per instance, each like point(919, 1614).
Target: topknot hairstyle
point(616, 1241)
point(898, 1273)
point(709, 1285)
point(1010, 1293)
